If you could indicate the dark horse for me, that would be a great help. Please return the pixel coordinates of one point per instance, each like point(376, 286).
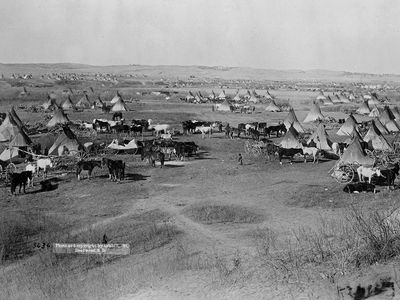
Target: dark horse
point(87, 166)
point(152, 156)
point(20, 179)
point(281, 128)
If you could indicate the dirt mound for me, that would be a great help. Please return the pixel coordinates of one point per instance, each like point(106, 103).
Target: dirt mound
point(215, 213)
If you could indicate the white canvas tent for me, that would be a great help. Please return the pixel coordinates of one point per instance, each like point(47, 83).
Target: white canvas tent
point(315, 114)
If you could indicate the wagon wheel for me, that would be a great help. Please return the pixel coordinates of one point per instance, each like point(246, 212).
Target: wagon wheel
point(82, 155)
point(11, 168)
point(344, 174)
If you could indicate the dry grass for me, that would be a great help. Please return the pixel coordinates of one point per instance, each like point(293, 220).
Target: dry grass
point(335, 249)
point(214, 213)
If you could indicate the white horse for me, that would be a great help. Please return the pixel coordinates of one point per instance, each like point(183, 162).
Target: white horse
point(311, 151)
point(368, 172)
point(158, 127)
point(204, 130)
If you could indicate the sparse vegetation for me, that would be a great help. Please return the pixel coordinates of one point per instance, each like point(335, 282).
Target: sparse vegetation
point(214, 213)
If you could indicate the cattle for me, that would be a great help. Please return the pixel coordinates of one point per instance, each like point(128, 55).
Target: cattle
point(116, 168)
point(20, 179)
point(313, 152)
point(367, 172)
point(44, 164)
point(152, 156)
point(289, 153)
point(359, 187)
point(87, 166)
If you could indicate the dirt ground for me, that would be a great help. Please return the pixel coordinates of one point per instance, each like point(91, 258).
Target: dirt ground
point(194, 259)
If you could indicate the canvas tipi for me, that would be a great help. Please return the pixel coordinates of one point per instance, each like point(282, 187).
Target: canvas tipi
point(116, 98)
point(348, 126)
point(290, 139)
point(119, 106)
point(375, 139)
point(83, 102)
point(355, 154)
point(272, 107)
point(363, 109)
point(314, 114)
point(224, 106)
point(320, 138)
point(292, 119)
point(68, 104)
point(65, 144)
point(58, 118)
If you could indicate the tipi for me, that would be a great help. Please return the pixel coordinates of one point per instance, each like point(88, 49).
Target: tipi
point(65, 144)
point(348, 126)
point(320, 138)
point(315, 114)
point(58, 118)
point(83, 102)
point(375, 139)
point(363, 109)
point(292, 119)
point(119, 106)
point(224, 106)
point(273, 107)
point(68, 104)
point(290, 139)
point(355, 154)
point(116, 98)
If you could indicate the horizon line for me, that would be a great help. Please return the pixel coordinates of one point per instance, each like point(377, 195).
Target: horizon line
point(194, 65)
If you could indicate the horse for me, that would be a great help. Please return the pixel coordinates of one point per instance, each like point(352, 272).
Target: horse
point(281, 128)
point(255, 134)
point(283, 152)
point(32, 168)
point(159, 127)
point(204, 130)
point(116, 168)
point(43, 163)
point(20, 179)
point(311, 151)
point(87, 166)
point(152, 156)
point(368, 172)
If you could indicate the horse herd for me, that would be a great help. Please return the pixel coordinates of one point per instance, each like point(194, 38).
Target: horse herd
point(152, 151)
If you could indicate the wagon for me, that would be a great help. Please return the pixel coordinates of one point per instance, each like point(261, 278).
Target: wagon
point(344, 172)
point(5, 170)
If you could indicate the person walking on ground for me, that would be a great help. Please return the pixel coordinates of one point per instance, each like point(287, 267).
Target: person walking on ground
point(240, 159)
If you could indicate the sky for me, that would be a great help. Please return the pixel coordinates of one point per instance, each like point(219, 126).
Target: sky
point(345, 35)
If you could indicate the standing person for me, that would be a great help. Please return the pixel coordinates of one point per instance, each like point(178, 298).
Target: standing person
point(240, 159)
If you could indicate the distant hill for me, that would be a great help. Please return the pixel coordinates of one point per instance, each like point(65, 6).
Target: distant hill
point(193, 72)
